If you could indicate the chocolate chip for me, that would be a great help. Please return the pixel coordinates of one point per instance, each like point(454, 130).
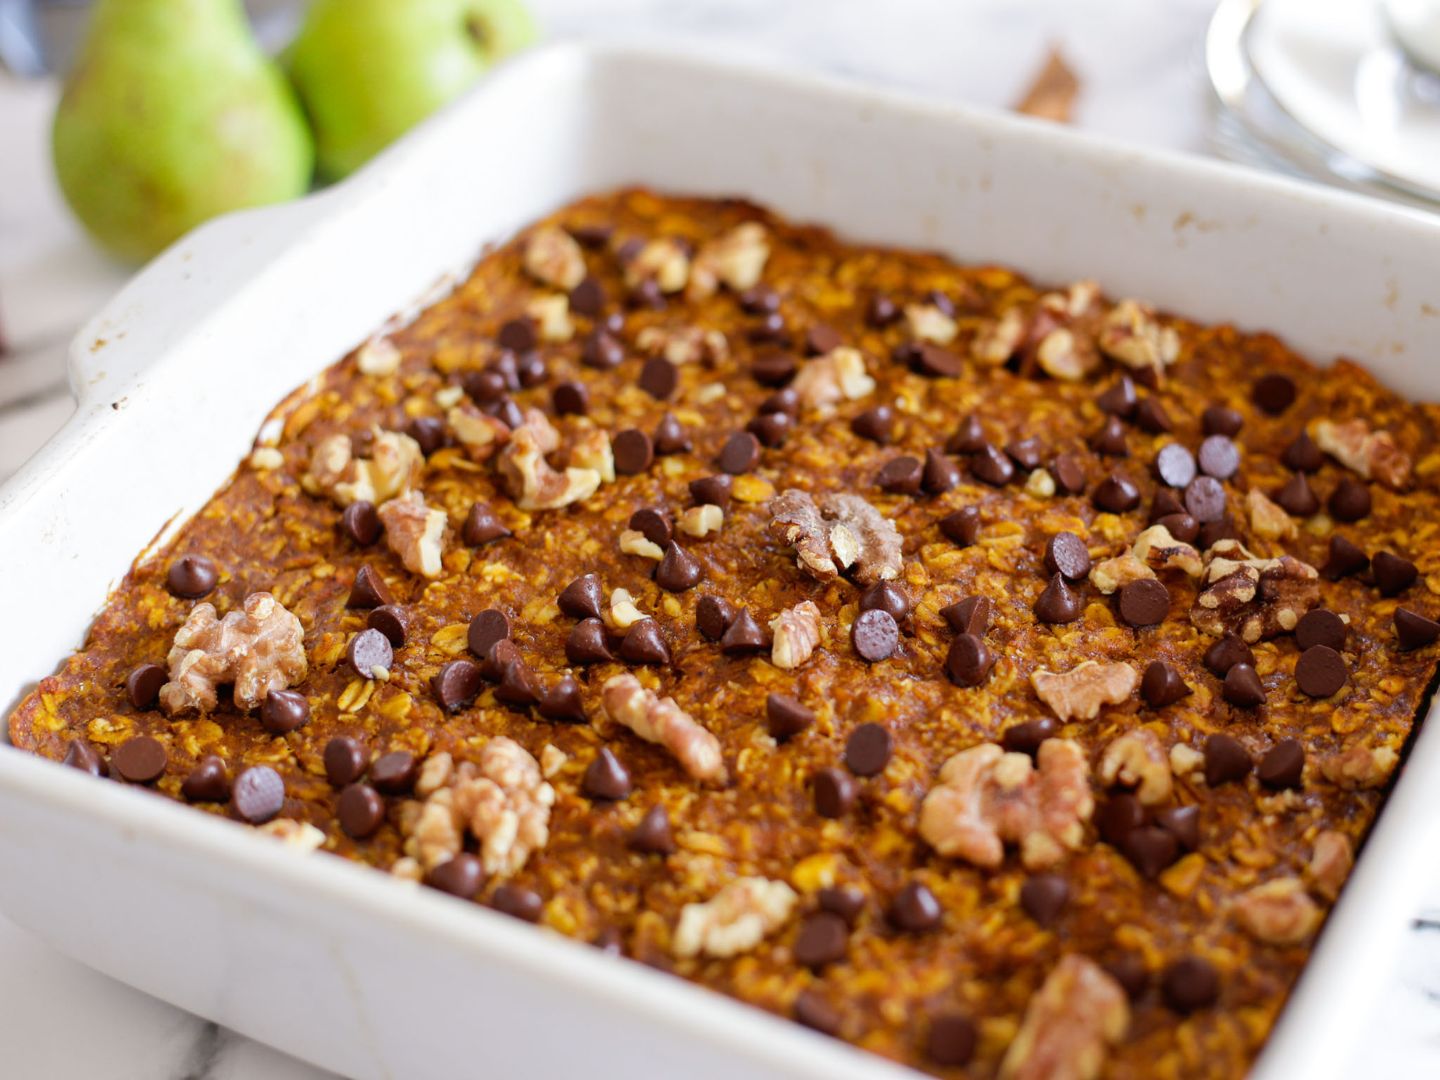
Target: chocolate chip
point(1320, 672)
point(1066, 554)
point(1226, 760)
point(1297, 497)
point(1345, 559)
point(968, 661)
point(369, 589)
point(1110, 439)
point(759, 300)
point(391, 621)
point(506, 369)
point(428, 433)
point(1413, 630)
point(877, 424)
point(873, 634)
point(969, 616)
point(461, 876)
point(1044, 896)
point(868, 750)
point(370, 654)
point(1304, 454)
point(1175, 465)
point(486, 628)
point(771, 327)
point(740, 453)
point(679, 570)
point(645, 644)
point(1119, 816)
point(560, 700)
point(1205, 499)
point(951, 1039)
point(1181, 526)
point(670, 436)
point(1025, 453)
point(785, 717)
point(1165, 504)
point(1057, 603)
point(1212, 532)
point(1283, 765)
point(532, 370)
point(1119, 399)
point(915, 909)
point(485, 387)
point(1350, 501)
point(935, 362)
point(835, 792)
point(714, 490)
point(284, 711)
point(1321, 627)
point(633, 451)
point(647, 295)
point(654, 524)
point(345, 760)
point(587, 643)
point(570, 398)
point(1068, 474)
point(601, 350)
point(900, 476)
point(1393, 574)
point(1221, 420)
point(1181, 822)
point(969, 437)
point(1150, 415)
point(652, 836)
point(659, 378)
point(142, 686)
point(581, 599)
point(743, 636)
point(888, 597)
point(588, 298)
point(940, 475)
point(258, 794)
point(518, 902)
point(482, 526)
point(394, 773)
point(207, 782)
point(881, 311)
point(1162, 685)
point(713, 616)
point(605, 778)
point(1150, 849)
point(517, 685)
point(1243, 687)
point(961, 528)
point(492, 665)
point(1026, 736)
point(1190, 984)
point(1145, 602)
point(1116, 494)
point(1129, 970)
point(191, 577)
point(361, 811)
point(1274, 393)
point(822, 939)
point(1219, 457)
point(844, 900)
point(361, 523)
point(773, 368)
point(991, 466)
point(517, 335)
point(817, 1014)
point(507, 412)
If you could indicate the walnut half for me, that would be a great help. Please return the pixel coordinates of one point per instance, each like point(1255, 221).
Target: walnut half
point(839, 375)
point(258, 649)
point(530, 479)
point(735, 919)
point(796, 633)
point(1369, 453)
point(660, 720)
point(1072, 1020)
point(415, 532)
point(835, 534)
point(1254, 598)
point(1277, 912)
point(1137, 760)
point(395, 463)
point(1081, 692)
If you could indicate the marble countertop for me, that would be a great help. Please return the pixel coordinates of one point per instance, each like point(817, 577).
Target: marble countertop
point(1139, 63)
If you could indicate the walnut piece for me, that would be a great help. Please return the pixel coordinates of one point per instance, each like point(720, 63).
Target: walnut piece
point(437, 772)
point(986, 798)
point(1067, 355)
point(683, 344)
point(259, 648)
point(999, 338)
point(839, 532)
point(660, 720)
point(1137, 760)
point(479, 433)
point(839, 375)
point(735, 919)
point(1277, 912)
point(622, 612)
point(378, 356)
point(1185, 759)
point(298, 835)
point(1108, 575)
point(926, 322)
point(735, 259)
point(797, 632)
point(530, 479)
point(592, 450)
point(1372, 454)
point(1079, 694)
point(1359, 766)
point(1132, 335)
point(1267, 520)
point(1254, 598)
point(1160, 551)
point(552, 317)
point(700, 521)
point(394, 465)
point(415, 532)
point(552, 257)
point(634, 542)
point(663, 261)
point(1071, 1021)
point(1330, 863)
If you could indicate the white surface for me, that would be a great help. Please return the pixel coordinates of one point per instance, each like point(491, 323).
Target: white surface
point(44, 1000)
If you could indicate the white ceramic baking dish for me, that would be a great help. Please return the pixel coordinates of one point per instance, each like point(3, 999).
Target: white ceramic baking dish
point(361, 974)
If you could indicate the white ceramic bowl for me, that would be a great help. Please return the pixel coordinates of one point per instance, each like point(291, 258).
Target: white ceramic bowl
point(364, 975)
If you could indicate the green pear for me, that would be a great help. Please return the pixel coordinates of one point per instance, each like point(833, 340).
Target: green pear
point(171, 116)
point(369, 70)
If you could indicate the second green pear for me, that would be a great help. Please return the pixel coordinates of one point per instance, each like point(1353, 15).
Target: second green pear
point(369, 70)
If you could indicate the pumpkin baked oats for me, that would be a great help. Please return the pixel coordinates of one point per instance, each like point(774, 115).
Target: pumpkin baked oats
point(996, 678)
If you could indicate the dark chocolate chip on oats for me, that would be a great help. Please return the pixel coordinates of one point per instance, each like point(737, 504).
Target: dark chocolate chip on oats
point(744, 636)
point(588, 298)
point(992, 466)
point(1190, 984)
point(969, 437)
point(652, 835)
point(1119, 816)
point(881, 311)
point(1043, 896)
point(581, 599)
point(823, 938)
point(486, 628)
point(645, 644)
point(518, 902)
point(587, 643)
point(1181, 526)
point(570, 398)
point(461, 876)
point(1026, 736)
point(1117, 494)
point(1025, 452)
point(900, 476)
point(518, 335)
point(1162, 685)
point(605, 777)
point(971, 615)
point(207, 781)
point(1110, 439)
point(1120, 398)
point(517, 687)
point(1273, 393)
point(1320, 672)
point(1150, 415)
point(1057, 602)
point(560, 700)
point(601, 350)
point(868, 749)
point(391, 621)
point(1068, 473)
point(877, 424)
point(714, 490)
point(1243, 687)
point(1346, 558)
point(835, 792)
point(874, 635)
point(284, 711)
point(1150, 849)
point(713, 616)
point(361, 811)
point(771, 428)
point(886, 596)
point(1393, 573)
point(369, 589)
point(1145, 602)
point(1297, 497)
point(633, 451)
point(773, 368)
point(1129, 970)
point(142, 686)
point(785, 717)
point(940, 473)
point(915, 909)
point(654, 524)
point(1283, 765)
point(258, 794)
point(1350, 501)
point(1304, 454)
point(361, 523)
point(1221, 420)
point(482, 526)
point(844, 900)
point(345, 760)
point(659, 378)
point(139, 759)
point(962, 527)
point(817, 1014)
point(394, 773)
point(1413, 630)
point(679, 570)
point(1321, 626)
point(1068, 555)
point(191, 576)
point(428, 433)
point(951, 1039)
point(670, 436)
point(370, 654)
point(969, 660)
point(1226, 760)
point(1181, 822)
point(740, 453)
